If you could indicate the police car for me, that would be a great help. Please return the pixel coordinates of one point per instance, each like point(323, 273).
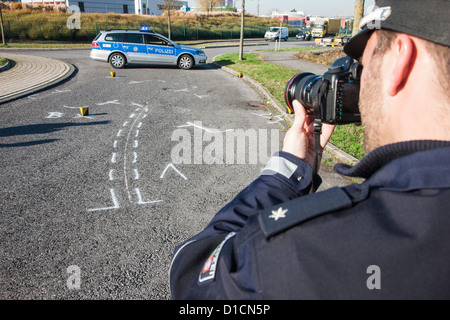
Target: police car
point(122, 47)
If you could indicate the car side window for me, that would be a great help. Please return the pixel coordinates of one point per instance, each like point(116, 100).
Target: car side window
point(153, 40)
point(133, 38)
point(114, 37)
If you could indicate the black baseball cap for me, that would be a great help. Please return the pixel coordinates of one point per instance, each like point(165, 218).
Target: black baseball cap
point(426, 19)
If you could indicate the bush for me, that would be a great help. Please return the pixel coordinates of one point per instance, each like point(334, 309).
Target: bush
point(322, 57)
point(17, 6)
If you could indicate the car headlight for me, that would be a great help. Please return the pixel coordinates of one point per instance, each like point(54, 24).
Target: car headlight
point(199, 52)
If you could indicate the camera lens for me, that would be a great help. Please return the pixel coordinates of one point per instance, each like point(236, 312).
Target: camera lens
point(300, 87)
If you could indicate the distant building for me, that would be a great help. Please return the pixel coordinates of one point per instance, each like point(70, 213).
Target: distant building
point(154, 7)
point(294, 18)
point(100, 6)
point(228, 3)
point(185, 8)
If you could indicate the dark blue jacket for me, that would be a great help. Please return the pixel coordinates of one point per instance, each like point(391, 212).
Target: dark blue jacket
point(386, 238)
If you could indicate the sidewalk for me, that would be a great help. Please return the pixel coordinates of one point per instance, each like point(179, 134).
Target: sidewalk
point(28, 74)
point(286, 59)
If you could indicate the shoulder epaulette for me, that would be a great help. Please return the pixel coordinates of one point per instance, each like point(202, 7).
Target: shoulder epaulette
point(291, 213)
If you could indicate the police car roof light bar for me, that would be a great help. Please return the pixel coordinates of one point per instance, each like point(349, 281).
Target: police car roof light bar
point(145, 28)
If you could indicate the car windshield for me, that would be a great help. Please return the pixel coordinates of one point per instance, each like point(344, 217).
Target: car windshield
point(274, 29)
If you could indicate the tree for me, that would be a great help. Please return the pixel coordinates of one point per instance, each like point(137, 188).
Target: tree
point(168, 5)
point(3, 32)
point(359, 12)
point(241, 43)
point(208, 5)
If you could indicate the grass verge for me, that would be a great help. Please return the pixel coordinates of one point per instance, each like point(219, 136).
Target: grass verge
point(3, 61)
point(274, 78)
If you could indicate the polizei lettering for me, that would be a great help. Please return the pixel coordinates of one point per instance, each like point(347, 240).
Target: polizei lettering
point(191, 310)
point(163, 51)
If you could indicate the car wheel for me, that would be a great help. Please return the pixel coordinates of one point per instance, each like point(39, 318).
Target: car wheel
point(186, 62)
point(117, 60)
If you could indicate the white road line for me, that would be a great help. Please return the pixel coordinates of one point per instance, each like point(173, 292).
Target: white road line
point(108, 102)
point(114, 157)
point(138, 193)
point(170, 165)
point(111, 174)
point(126, 153)
point(115, 202)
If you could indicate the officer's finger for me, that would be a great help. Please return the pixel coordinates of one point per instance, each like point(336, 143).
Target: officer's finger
point(327, 131)
point(300, 116)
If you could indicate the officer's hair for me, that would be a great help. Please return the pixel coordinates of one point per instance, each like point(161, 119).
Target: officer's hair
point(439, 53)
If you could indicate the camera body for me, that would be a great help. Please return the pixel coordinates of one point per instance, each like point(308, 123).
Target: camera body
point(333, 97)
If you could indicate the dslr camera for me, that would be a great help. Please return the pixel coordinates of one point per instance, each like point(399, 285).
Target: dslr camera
point(333, 97)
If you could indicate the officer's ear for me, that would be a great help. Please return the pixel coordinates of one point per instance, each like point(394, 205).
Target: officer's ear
point(402, 56)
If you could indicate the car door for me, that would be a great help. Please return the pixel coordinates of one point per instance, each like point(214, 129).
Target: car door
point(134, 47)
point(159, 50)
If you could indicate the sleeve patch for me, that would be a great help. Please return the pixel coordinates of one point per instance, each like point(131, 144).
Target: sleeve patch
point(208, 271)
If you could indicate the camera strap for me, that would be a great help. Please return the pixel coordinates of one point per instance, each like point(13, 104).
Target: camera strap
point(318, 105)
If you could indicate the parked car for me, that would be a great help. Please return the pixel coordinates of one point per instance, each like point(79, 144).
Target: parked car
point(122, 47)
point(304, 35)
point(277, 33)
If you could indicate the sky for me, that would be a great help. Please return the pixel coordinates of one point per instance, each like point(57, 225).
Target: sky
point(309, 7)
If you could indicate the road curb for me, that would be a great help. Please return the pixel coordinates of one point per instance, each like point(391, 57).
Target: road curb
point(6, 66)
point(333, 151)
point(68, 72)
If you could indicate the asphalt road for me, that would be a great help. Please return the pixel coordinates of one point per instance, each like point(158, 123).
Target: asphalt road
point(92, 207)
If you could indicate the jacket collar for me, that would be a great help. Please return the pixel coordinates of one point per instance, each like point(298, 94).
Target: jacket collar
point(404, 166)
point(381, 156)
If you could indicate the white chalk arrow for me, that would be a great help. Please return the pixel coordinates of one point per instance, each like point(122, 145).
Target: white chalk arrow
point(170, 165)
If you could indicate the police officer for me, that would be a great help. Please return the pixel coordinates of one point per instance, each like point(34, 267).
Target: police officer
point(386, 238)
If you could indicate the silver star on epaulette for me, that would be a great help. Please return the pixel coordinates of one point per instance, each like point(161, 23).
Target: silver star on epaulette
point(280, 213)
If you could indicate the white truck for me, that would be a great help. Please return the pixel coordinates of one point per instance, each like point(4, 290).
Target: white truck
point(324, 26)
point(275, 33)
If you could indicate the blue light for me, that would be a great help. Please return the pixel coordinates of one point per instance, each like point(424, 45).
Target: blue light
point(145, 28)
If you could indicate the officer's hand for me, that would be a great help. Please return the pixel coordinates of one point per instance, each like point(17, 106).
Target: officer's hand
point(299, 139)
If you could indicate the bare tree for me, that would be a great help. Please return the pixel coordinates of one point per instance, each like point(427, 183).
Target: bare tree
point(359, 12)
point(1, 23)
point(169, 5)
point(241, 42)
point(208, 5)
